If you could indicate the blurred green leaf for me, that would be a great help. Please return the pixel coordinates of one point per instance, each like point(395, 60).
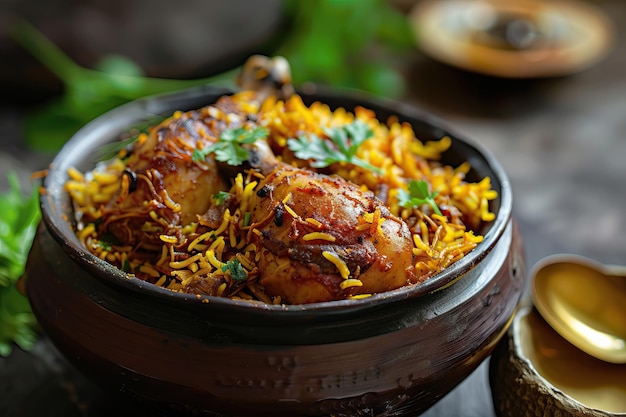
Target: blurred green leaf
point(19, 217)
point(17, 321)
point(349, 43)
point(382, 80)
point(117, 64)
point(48, 128)
point(88, 92)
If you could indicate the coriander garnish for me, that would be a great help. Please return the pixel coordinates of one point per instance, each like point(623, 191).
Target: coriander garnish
point(418, 195)
point(235, 269)
point(229, 147)
point(341, 146)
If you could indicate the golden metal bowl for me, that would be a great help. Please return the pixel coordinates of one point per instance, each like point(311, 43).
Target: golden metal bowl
point(536, 372)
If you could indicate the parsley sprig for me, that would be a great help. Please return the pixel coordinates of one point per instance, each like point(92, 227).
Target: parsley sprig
point(418, 195)
point(341, 146)
point(228, 147)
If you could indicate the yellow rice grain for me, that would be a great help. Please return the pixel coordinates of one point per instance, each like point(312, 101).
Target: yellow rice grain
point(319, 236)
point(161, 281)
point(203, 237)
point(185, 262)
point(245, 261)
point(105, 178)
point(221, 289)
point(246, 195)
point(291, 212)
point(167, 200)
point(341, 266)
point(88, 230)
point(421, 245)
point(210, 254)
point(218, 246)
point(351, 282)
point(149, 269)
point(232, 230)
point(314, 222)
point(168, 239)
point(225, 223)
point(359, 296)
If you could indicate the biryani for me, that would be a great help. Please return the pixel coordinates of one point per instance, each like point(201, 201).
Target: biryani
point(268, 199)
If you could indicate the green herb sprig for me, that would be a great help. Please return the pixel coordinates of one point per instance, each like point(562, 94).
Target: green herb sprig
point(235, 269)
point(418, 195)
point(341, 146)
point(229, 147)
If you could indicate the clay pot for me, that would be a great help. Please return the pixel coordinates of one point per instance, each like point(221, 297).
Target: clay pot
point(393, 353)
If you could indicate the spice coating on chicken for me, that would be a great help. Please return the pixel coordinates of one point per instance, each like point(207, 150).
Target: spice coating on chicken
point(321, 238)
point(163, 178)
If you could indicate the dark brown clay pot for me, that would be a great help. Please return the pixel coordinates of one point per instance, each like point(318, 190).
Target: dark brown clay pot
point(395, 353)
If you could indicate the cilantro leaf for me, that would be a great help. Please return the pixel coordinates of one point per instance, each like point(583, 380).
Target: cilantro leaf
point(198, 155)
point(418, 195)
point(228, 147)
point(341, 146)
point(236, 270)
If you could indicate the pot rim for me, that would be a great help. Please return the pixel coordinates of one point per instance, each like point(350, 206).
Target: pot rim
point(55, 205)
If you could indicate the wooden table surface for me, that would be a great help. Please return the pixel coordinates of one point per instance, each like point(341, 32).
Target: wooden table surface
point(562, 142)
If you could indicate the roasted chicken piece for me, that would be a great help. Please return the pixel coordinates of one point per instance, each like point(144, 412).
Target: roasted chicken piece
point(321, 238)
point(163, 186)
